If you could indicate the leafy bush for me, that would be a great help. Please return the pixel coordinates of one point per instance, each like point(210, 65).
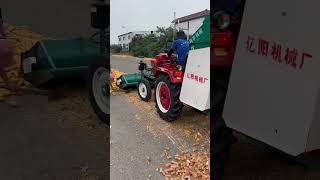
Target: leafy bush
point(115, 49)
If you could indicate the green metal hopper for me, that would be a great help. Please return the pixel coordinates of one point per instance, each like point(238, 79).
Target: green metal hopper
point(127, 81)
point(201, 38)
point(50, 59)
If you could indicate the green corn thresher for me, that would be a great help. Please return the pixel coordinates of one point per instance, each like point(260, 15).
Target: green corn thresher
point(128, 81)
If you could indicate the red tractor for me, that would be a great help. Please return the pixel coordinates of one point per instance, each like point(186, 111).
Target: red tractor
point(166, 76)
point(175, 85)
point(168, 86)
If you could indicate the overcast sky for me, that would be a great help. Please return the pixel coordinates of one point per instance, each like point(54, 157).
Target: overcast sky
point(146, 15)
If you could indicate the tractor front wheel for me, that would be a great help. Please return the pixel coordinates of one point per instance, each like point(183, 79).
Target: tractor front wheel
point(167, 99)
point(144, 90)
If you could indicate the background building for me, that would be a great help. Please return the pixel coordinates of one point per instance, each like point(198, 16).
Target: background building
point(191, 23)
point(125, 39)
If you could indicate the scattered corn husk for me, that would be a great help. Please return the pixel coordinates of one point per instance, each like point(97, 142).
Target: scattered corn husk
point(116, 74)
point(4, 92)
point(195, 165)
point(21, 39)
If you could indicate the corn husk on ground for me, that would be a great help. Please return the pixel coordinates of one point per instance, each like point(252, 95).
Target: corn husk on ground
point(21, 39)
point(116, 74)
point(187, 166)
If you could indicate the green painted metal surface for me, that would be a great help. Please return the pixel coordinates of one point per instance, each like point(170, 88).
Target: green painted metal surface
point(130, 80)
point(61, 58)
point(201, 38)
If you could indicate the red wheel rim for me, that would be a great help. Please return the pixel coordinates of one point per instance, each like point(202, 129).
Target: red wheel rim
point(165, 98)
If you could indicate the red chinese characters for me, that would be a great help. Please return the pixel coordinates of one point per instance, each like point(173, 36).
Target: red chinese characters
point(197, 78)
point(304, 56)
point(288, 56)
point(291, 57)
point(263, 47)
point(276, 52)
point(250, 45)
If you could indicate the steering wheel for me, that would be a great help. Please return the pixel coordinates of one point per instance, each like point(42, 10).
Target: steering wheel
point(174, 59)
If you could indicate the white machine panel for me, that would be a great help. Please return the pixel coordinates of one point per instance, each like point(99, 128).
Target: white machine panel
point(275, 80)
point(195, 90)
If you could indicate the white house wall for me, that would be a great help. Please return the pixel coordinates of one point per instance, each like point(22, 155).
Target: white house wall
point(127, 38)
point(194, 25)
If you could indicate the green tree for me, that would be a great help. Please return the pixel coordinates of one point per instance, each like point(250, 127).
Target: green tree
point(152, 44)
point(115, 48)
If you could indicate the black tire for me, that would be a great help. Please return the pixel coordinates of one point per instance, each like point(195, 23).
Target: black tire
point(96, 64)
point(147, 88)
point(222, 137)
point(175, 108)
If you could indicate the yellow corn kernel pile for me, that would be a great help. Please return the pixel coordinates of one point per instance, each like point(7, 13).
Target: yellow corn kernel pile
point(21, 39)
point(116, 73)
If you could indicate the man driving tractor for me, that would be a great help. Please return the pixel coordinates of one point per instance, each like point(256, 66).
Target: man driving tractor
point(181, 46)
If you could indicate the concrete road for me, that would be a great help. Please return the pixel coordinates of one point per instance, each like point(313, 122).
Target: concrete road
point(131, 145)
point(35, 146)
point(125, 64)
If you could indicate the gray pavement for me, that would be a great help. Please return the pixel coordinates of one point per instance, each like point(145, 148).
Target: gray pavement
point(132, 146)
point(127, 64)
point(33, 146)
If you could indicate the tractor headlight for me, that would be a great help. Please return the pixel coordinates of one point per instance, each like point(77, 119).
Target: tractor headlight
point(222, 20)
point(179, 68)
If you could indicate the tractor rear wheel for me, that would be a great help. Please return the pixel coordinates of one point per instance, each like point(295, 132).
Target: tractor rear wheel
point(167, 98)
point(98, 88)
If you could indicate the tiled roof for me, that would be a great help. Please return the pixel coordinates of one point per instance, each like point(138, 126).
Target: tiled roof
point(193, 16)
